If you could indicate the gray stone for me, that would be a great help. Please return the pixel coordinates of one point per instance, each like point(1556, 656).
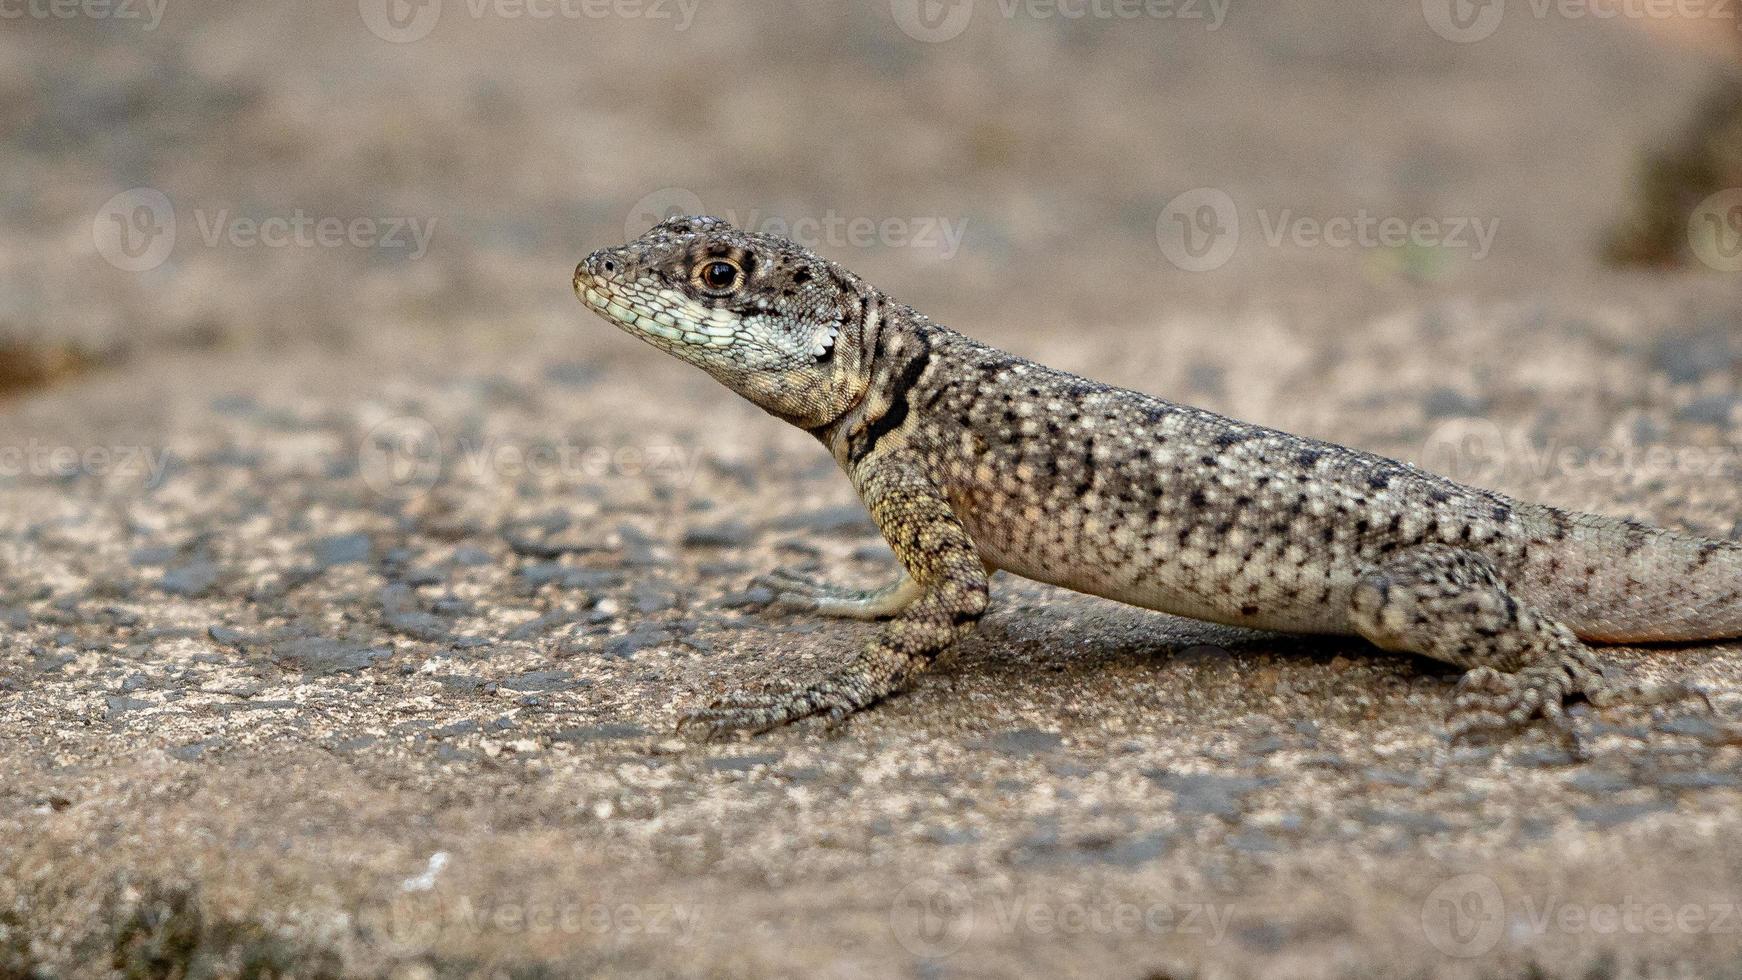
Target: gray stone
point(1206, 792)
point(1023, 742)
point(729, 533)
point(1616, 814)
point(120, 704)
point(1601, 782)
point(1445, 402)
point(343, 549)
point(648, 597)
point(568, 576)
point(1689, 358)
point(1709, 410)
point(542, 680)
point(645, 636)
point(754, 597)
point(846, 520)
point(319, 656)
point(607, 732)
point(191, 580)
point(741, 763)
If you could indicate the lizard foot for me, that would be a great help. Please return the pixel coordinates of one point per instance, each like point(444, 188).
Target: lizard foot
point(758, 711)
point(1491, 703)
point(873, 676)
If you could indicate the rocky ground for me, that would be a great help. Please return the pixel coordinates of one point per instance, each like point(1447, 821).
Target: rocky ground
point(349, 596)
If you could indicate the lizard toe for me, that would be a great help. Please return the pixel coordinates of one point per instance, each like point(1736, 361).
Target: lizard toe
point(793, 593)
point(760, 711)
point(1491, 704)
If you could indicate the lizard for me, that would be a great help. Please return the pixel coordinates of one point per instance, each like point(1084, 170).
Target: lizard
point(972, 460)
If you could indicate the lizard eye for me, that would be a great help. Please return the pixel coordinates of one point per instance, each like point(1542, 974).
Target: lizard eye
point(719, 275)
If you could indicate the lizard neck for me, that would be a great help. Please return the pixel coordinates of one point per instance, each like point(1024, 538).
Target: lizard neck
point(900, 351)
point(858, 363)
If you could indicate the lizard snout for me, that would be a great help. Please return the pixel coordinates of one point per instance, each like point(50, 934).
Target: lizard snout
point(601, 264)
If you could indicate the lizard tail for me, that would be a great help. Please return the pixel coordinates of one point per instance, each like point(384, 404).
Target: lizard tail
point(1618, 581)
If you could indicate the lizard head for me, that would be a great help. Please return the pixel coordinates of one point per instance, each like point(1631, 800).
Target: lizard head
point(770, 319)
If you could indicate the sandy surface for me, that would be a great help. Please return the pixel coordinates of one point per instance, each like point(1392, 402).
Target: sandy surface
point(350, 599)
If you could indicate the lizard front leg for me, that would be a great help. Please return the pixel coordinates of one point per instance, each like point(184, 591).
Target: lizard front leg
point(950, 582)
point(1452, 605)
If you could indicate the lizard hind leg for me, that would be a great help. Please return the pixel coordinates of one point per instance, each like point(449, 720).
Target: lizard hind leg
point(1452, 605)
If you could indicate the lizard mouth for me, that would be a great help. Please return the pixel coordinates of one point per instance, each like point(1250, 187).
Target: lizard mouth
point(655, 313)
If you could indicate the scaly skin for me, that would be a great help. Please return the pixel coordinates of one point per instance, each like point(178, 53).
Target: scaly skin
point(972, 460)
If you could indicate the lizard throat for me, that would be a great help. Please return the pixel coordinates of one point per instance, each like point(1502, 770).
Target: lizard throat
point(658, 314)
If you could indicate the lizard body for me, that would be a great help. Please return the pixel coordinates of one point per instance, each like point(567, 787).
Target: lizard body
point(972, 460)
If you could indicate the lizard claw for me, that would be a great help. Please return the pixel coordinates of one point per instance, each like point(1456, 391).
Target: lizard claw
point(793, 593)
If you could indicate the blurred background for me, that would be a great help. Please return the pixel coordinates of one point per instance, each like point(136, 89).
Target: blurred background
point(1005, 164)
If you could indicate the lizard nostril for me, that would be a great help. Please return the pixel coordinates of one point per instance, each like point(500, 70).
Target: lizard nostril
point(610, 266)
